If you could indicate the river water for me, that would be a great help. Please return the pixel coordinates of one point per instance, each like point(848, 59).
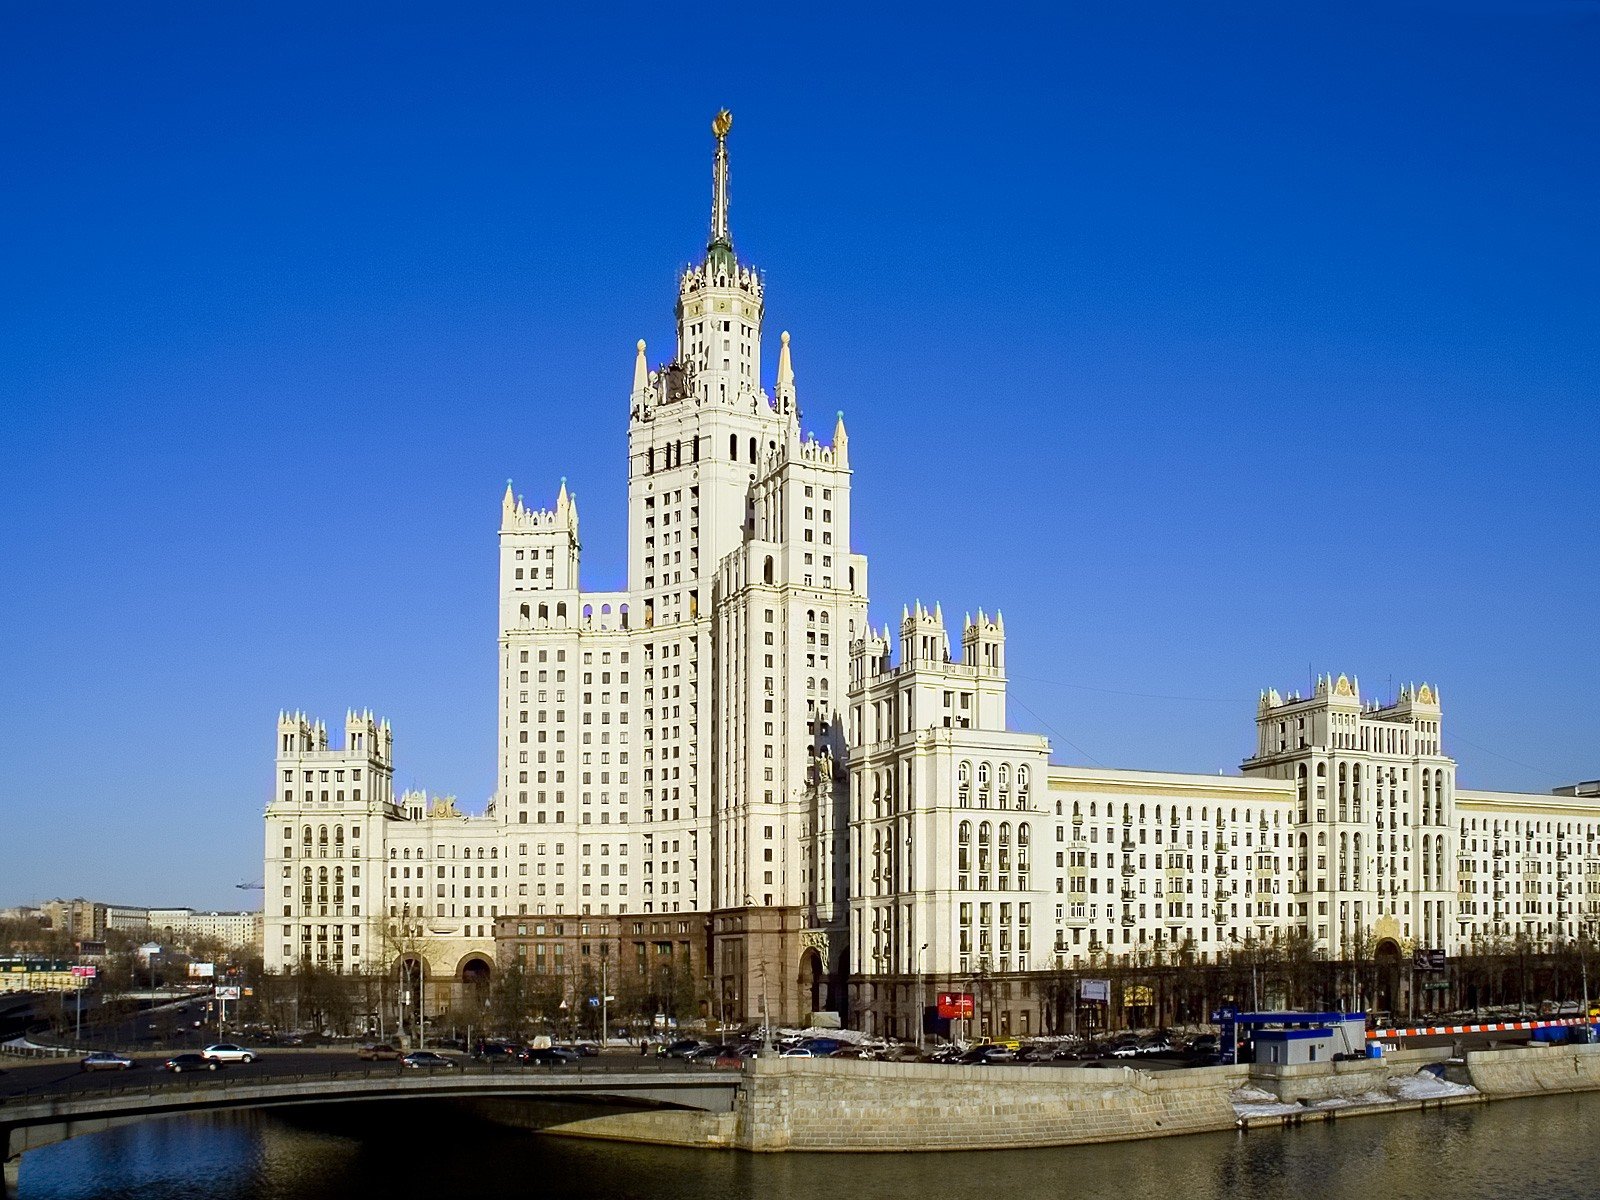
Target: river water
point(1544, 1149)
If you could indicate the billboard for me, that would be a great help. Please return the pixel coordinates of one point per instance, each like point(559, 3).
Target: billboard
point(199, 970)
point(1095, 990)
point(955, 1004)
point(227, 993)
point(1427, 960)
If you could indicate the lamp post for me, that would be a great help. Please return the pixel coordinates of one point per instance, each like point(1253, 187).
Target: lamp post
point(922, 995)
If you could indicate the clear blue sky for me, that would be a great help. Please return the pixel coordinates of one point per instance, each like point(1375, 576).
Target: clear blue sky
point(1213, 344)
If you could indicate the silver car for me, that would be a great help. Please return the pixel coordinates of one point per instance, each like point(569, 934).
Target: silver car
point(227, 1052)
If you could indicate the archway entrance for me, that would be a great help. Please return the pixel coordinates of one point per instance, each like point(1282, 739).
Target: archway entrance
point(1388, 993)
point(813, 984)
point(475, 978)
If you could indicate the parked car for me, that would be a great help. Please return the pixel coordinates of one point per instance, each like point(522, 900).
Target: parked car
point(104, 1060)
point(1125, 1050)
point(228, 1052)
point(797, 1052)
point(180, 1063)
point(679, 1049)
point(427, 1060)
point(374, 1051)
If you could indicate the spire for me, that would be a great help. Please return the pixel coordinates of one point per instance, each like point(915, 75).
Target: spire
point(785, 388)
point(721, 243)
point(561, 496)
point(509, 504)
point(641, 371)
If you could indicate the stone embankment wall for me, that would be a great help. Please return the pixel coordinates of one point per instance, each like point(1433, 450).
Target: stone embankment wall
point(1313, 1082)
point(1535, 1071)
point(851, 1105)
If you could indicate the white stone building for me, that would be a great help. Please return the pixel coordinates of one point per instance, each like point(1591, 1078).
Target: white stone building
point(674, 758)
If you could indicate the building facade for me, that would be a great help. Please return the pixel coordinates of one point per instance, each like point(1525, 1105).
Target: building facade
point(724, 759)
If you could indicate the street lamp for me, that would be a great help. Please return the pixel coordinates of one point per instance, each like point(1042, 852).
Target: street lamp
point(922, 996)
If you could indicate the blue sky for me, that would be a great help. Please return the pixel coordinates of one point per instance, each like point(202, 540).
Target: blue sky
point(1215, 345)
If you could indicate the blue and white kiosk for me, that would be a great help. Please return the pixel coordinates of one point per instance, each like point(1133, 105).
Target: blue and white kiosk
point(1290, 1038)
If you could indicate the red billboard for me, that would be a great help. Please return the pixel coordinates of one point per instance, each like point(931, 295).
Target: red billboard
point(955, 1004)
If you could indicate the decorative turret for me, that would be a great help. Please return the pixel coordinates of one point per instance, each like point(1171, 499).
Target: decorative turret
point(841, 441)
point(983, 642)
point(922, 635)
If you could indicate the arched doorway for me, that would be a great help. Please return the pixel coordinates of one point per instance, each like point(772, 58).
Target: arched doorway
point(1386, 957)
point(475, 974)
point(813, 984)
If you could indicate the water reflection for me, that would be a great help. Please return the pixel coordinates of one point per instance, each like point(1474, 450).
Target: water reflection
point(1536, 1148)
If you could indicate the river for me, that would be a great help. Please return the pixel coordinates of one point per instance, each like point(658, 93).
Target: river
point(1543, 1149)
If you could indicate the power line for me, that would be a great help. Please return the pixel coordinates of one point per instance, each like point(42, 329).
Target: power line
point(1548, 774)
point(1059, 736)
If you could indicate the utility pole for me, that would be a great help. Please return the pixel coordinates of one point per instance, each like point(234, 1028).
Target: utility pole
point(922, 996)
point(604, 1011)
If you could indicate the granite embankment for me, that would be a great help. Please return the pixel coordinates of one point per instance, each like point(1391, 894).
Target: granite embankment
point(1534, 1071)
point(850, 1105)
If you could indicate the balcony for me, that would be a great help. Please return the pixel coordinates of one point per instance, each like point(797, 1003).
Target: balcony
point(1128, 869)
point(1128, 919)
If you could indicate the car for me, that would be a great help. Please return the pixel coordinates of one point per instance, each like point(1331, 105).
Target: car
point(427, 1060)
point(374, 1051)
point(797, 1052)
point(497, 1052)
point(179, 1063)
point(679, 1049)
point(709, 1053)
point(228, 1052)
point(1125, 1051)
point(547, 1056)
point(587, 1049)
point(104, 1060)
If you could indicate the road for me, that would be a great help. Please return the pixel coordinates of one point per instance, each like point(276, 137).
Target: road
point(63, 1075)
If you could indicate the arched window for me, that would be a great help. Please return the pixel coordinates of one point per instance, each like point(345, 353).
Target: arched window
point(766, 571)
point(752, 449)
point(983, 773)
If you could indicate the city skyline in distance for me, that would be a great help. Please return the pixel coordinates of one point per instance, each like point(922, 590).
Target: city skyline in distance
point(1257, 410)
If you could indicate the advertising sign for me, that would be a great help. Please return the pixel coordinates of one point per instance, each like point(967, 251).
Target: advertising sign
point(1428, 960)
point(1097, 990)
point(199, 970)
point(956, 1005)
point(227, 993)
point(84, 972)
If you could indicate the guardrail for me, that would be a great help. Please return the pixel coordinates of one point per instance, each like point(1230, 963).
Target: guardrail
point(152, 1080)
point(1482, 1027)
point(22, 1048)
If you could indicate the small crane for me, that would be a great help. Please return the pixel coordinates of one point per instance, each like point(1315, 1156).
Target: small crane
point(259, 885)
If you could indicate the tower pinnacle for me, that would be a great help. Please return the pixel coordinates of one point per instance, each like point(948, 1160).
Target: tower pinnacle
point(721, 238)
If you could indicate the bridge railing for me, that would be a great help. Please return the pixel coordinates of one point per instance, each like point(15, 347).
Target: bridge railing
point(154, 1081)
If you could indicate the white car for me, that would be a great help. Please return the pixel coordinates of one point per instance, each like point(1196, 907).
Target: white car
point(227, 1052)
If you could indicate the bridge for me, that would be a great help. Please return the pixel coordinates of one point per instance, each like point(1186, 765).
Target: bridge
point(32, 1120)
